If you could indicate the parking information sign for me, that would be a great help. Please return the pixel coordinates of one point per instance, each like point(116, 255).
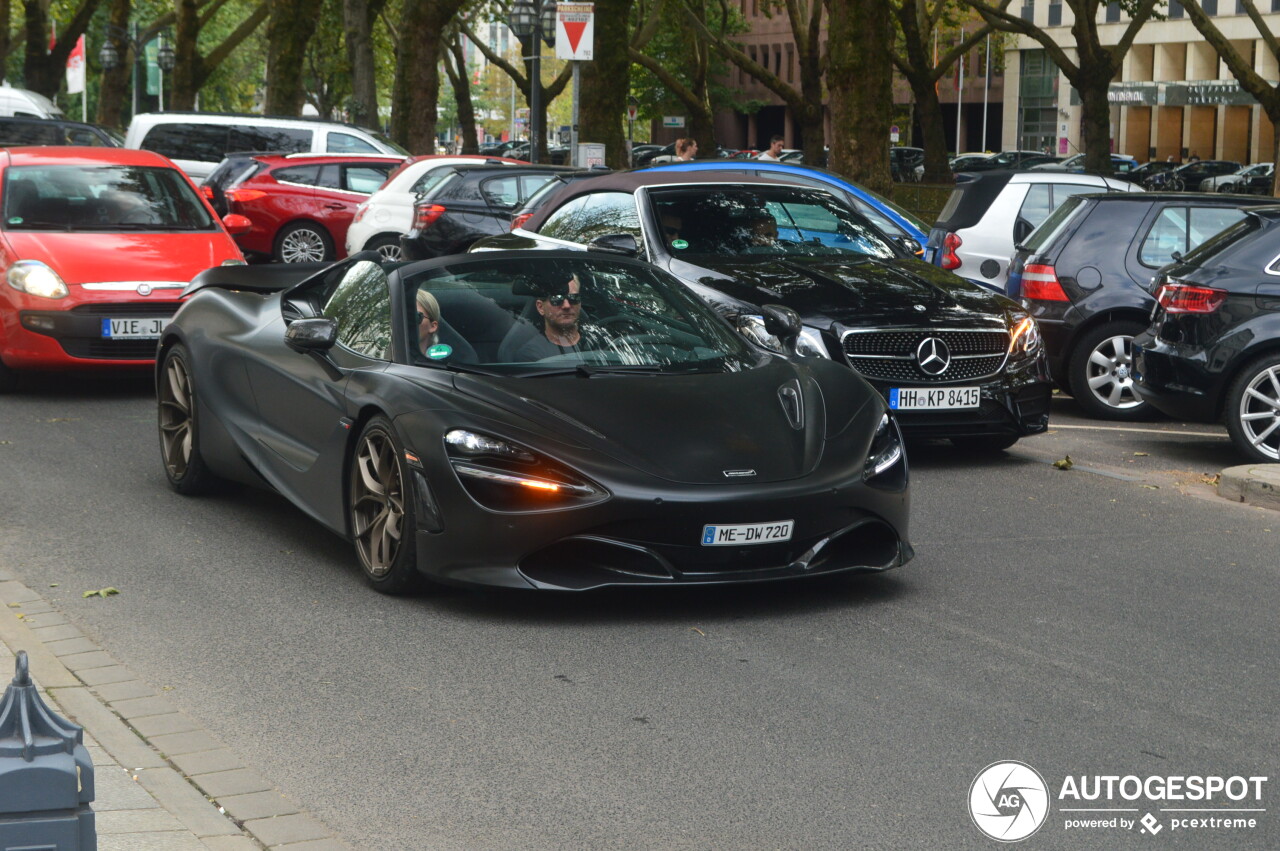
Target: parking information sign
point(575, 30)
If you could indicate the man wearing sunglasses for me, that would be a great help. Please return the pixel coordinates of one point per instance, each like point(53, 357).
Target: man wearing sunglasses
point(560, 312)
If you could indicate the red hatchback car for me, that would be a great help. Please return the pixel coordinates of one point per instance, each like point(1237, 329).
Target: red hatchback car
point(96, 246)
point(302, 204)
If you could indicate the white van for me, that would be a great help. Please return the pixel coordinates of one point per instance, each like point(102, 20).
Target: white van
point(198, 141)
point(26, 104)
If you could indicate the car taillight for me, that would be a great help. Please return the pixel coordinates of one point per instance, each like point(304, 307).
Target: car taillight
point(425, 215)
point(360, 212)
point(207, 192)
point(950, 260)
point(242, 195)
point(519, 220)
point(1184, 298)
point(1041, 283)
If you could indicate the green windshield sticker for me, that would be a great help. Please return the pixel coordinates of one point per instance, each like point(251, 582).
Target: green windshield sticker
point(679, 243)
point(16, 220)
point(440, 351)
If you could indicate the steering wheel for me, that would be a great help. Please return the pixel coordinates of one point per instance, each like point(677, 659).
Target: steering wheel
point(622, 326)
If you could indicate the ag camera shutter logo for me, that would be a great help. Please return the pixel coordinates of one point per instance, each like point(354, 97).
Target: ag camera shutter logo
point(1008, 801)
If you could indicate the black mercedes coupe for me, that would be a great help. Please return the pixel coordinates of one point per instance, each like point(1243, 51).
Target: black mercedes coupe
point(552, 420)
point(953, 359)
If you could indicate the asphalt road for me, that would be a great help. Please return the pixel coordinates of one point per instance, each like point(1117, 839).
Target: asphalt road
point(1112, 619)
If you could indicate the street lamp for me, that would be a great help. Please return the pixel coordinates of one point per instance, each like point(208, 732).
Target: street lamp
point(109, 55)
point(532, 25)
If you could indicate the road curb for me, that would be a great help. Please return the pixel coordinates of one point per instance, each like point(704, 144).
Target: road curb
point(127, 719)
point(1254, 484)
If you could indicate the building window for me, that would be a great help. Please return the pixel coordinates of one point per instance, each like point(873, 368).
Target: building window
point(1029, 10)
point(1113, 12)
point(1055, 13)
point(1210, 6)
point(1175, 9)
point(1037, 102)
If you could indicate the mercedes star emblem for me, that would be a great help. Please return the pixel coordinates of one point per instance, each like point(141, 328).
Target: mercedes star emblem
point(933, 356)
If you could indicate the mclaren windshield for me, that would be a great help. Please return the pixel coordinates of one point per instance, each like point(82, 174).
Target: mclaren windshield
point(534, 314)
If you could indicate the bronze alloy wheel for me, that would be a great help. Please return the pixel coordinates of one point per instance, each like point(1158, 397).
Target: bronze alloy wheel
point(175, 417)
point(378, 502)
point(179, 432)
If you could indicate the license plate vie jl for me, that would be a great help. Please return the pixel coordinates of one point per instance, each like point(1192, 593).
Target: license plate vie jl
point(737, 535)
point(134, 329)
point(933, 399)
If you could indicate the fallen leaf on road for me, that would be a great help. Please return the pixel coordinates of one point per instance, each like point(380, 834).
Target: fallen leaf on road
point(63, 420)
point(1141, 454)
point(700, 632)
point(101, 592)
point(1152, 487)
point(1211, 480)
point(1065, 464)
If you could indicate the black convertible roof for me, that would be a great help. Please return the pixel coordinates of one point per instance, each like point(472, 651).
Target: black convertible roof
point(630, 181)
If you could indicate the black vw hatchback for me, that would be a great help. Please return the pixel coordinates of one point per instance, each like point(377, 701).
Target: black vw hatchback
point(1213, 349)
point(1085, 276)
point(953, 359)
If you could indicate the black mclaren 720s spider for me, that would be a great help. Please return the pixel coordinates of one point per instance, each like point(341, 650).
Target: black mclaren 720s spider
point(553, 420)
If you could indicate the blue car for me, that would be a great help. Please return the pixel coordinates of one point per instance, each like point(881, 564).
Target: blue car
point(893, 221)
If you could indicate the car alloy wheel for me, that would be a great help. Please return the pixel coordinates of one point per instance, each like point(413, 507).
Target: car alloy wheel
point(1253, 410)
point(381, 508)
point(303, 244)
point(388, 247)
point(179, 436)
point(1101, 373)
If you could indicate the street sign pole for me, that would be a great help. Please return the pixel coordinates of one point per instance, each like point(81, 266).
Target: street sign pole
point(577, 103)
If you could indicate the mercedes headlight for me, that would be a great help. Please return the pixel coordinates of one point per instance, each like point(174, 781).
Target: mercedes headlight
point(811, 345)
point(808, 345)
point(35, 278)
point(1025, 338)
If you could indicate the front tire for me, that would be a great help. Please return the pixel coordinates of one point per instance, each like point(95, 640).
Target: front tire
point(184, 466)
point(1100, 373)
point(1253, 410)
point(380, 510)
point(304, 242)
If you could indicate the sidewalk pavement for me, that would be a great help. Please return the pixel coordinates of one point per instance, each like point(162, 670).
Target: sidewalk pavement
point(1255, 484)
point(162, 783)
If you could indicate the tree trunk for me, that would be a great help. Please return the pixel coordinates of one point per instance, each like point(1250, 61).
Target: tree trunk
point(288, 31)
point(357, 19)
point(6, 12)
point(188, 75)
point(457, 70)
point(932, 128)
point(1095, 123)
point(115, 83)
point(417, 84)
point(860, 79)
point(43, 66)
point(606, 82)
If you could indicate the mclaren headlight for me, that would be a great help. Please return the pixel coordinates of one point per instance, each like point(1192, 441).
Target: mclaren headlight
point(1024, 339)
point(35, 278)
point(808, 345)
point(504, 476)
point(886, 464)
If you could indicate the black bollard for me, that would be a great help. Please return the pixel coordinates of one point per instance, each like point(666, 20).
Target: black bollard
point(46, 776)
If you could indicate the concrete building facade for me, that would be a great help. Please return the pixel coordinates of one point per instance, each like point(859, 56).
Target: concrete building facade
point(1173, 98)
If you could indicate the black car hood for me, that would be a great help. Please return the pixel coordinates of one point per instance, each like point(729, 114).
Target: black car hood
point(695, 429)
point(853, 292)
